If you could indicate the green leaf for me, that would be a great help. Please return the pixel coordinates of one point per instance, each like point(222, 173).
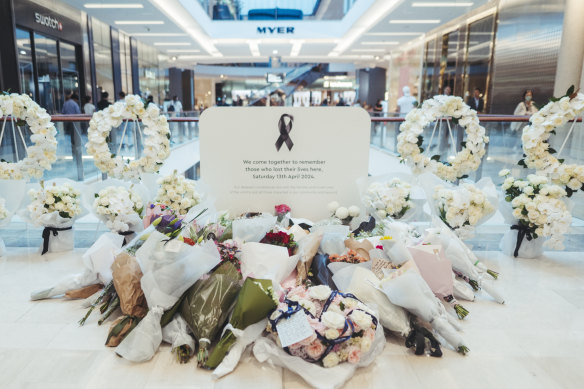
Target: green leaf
point(95, 195)
point(553, 132)
point(463, 144)
point(570, 90)
point(554, 99)
point(522, 163)
point(420, 140)
point(569, 192)
point(551, 150)
point(464, 176)
point(561, 160)
point(421, 149)
point(436, 157)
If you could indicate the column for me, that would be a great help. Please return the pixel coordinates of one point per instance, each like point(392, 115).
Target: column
point(9, 75)
point(571, 56)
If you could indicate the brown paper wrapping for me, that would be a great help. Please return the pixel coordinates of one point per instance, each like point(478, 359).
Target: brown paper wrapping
point(362, 248)
point(307, 248)
point(127, 275)
point(84, 292)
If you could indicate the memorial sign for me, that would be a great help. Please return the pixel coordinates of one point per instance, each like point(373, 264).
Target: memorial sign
point(254, 158)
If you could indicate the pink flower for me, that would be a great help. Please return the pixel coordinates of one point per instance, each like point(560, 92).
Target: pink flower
point(315, 349)
point(354, 355)
point(369, 333)
point(308, 340)
point(282, 209)
point(316, 325)
point(299, 291)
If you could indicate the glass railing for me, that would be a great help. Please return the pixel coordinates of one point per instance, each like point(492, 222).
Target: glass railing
point(73, 162)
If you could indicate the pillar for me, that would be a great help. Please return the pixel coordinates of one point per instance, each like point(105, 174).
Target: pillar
point(571, 56)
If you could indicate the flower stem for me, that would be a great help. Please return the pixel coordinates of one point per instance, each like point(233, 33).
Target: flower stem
point(463, 350)
point(461, 311)
point(97, 301)
point(183, 353)
point(202, 354)
point(112, 307)
point(474, 284)
point(493, 273)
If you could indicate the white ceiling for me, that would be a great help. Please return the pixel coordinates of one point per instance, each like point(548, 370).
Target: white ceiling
point(365, 34)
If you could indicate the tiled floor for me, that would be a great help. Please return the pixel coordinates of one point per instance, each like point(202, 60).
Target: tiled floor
point(535, 340)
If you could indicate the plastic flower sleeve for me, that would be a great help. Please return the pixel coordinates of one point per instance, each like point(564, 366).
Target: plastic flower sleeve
point(461, 290)
point(176, 334)
point(168, 273)
point(410, 291)
point(363, 284)
point(11, 195)
point(254, 229)
point(267, 261)
point(207, 304)
point(253, 304)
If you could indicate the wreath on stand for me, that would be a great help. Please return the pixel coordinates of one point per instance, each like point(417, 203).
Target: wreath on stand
point(155, 137)
point(538, 154)
point(21, 110)
point(438, 109)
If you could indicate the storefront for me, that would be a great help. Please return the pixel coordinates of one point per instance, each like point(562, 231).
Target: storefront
point(49, 46)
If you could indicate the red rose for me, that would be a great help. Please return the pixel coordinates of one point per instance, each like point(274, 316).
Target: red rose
point(282, 209)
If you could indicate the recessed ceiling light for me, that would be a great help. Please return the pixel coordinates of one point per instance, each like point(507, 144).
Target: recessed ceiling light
point(414, 21)
point(275, 52)
point(172, 44)
point(380, 43)
point(128, 22)
point(113, 5)
point(157, 34)
point(442, 4)
point(183, 51)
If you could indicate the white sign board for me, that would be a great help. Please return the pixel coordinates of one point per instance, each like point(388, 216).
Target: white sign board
point(254, 158)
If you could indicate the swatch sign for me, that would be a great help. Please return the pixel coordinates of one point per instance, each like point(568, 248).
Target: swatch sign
point(48, 21)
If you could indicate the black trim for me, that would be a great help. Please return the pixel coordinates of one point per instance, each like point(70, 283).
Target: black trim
point(9, 71)
point(116, 67)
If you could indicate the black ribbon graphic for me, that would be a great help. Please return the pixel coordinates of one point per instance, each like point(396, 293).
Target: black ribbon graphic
point(124, 234)
point(47, 233)
point(285, 132)
point(522, 232)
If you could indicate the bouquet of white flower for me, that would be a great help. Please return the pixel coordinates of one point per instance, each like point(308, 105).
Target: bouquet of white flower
point(10, 200)
point(343, 214)
point(55, 207)
point(389, 198)
point(538, 209)
point(178, 193)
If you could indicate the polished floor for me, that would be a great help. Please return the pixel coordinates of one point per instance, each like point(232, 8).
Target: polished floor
point(535, 340)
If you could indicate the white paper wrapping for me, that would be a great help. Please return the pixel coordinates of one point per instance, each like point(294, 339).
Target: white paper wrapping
point(176, 333)
point(254, 229)
point(461, 291)
point(529, 249)
point(166, 276)
point(13, 193)
point(266, 261)
point(265, 350)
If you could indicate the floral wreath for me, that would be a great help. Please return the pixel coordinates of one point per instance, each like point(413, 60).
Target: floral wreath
point(156, 142)
point(410, 138)
point(21, 110)
point(538, 153)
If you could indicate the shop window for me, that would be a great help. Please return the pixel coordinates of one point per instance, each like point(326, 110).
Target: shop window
point(47, 63)
point(25, 63)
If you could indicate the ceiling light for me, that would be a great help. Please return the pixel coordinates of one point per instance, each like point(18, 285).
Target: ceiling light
point(368, 50)
point(113, 5)
point(275, 52)
point(173, 58)
point(442, 4)
point(172, 44)
point(22, 52)
point(414, 21)
point(128, 22)
point(157, 34)
point(183, 51)
point(222, 76)
point(380, 43)
point(253, 47)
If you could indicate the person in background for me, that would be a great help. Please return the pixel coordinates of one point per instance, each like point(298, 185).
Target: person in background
point(103, 103)
point(476, 102)
point(405, 103)
point(176, 106)
point(526, 107)
point(149, 100)
point(341, 103)
point(71, 106)
point(324, 102)
point(121, 96)
point(88, 108)
point(448, 90)
point(378, 108)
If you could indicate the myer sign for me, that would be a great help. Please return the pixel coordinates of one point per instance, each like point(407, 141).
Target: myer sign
point(275, 30)
point(48, 21)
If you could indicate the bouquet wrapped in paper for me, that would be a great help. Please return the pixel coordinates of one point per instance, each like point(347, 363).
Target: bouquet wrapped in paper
point(406, 288)
point(322, 335)
point(170, 267)
point(12, 192)
point(342, 215)
point(207, 304)
point(118, 204)
point(388, 196)
point(55, 206)
point(436, 270)
point(307, 248)
point(253, 229)
point(461, 258)
point(281, 238)
point(333, 238)
point(254, 303)
point(97, 261)
point(176, 333)
point(537, 210)
point(127, 277)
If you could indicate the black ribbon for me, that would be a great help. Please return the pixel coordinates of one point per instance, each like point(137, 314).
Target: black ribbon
point(365, 226)
point(47, 233)
point(285, 132)
point(124, 234)
point(417, 338)
point(522, 232)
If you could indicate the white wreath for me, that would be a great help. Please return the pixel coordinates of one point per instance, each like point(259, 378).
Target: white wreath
point(39, 157)
point(156, 134)
point(538, 153)
point(410, 138)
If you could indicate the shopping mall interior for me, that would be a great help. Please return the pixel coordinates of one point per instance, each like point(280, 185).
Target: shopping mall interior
point(451, 125)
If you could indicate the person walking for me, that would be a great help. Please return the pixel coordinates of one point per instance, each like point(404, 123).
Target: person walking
point(103, 103)
point(71, 106)
point(476, 102)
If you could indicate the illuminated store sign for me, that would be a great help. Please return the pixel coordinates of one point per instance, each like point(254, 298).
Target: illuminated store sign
point(338, 84)
point(48, 21)
point(275, 30)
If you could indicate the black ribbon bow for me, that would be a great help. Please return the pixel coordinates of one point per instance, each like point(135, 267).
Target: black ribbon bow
point(47, 233)
point(365, 226)
point(522, 232)
point(285, 129)
point(417, 338)
point(125, 234)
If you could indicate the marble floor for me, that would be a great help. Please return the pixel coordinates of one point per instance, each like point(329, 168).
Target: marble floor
point(535, 340)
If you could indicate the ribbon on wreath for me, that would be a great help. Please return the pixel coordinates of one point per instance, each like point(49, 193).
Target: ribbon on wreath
point(522, 232)
point(47, 233)
point(124, 234)
point(285, 129)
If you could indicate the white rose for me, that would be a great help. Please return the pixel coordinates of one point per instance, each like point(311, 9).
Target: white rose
point(342, 213)
point(333, 206)
point(331, 333)
point(365, 344)
point(354, 211)
point(333, 320)
point(331, 360)
point(319, 292)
